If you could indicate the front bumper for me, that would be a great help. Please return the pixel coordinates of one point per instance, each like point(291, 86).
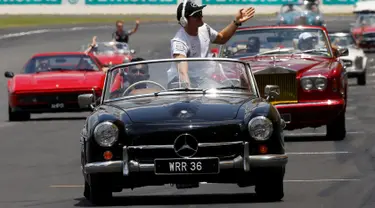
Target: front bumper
point(245, 162)
point(311, 114)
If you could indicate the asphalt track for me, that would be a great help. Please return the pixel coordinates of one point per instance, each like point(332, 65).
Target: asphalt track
point(40, 164)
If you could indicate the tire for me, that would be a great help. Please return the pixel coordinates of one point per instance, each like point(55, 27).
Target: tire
point(269, 185)
point(17, 116)
point(361, 79)
point(97, 192)
point(336, 130)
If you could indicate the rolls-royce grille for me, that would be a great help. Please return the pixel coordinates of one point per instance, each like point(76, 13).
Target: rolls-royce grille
point(347, 63)
point(286, 82)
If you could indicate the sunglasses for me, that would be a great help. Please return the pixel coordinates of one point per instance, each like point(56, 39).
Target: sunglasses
point(135, 71)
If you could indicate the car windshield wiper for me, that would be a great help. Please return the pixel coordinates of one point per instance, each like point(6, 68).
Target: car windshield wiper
point(319, 50)
point(227, 87)
point(182, 89)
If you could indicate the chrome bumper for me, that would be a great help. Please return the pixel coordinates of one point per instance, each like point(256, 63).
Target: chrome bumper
point(245, 162)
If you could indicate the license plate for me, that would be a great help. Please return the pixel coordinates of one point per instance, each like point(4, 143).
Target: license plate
point(57, 105)
point(287, 117)
point(186, 166)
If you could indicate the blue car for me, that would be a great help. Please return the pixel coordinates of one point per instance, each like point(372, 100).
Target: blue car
point(307, 13)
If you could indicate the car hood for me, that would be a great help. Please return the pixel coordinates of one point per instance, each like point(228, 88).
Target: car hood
point(353, 53)
point(366, 29)
point(300, 65)
point(58, 80)
point(112, 59)
point(182, 108)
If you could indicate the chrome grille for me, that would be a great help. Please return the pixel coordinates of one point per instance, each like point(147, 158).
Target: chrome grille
point(286, 82)
point(347, 63)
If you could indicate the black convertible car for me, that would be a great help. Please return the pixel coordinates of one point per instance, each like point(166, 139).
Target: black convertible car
point(154, 125)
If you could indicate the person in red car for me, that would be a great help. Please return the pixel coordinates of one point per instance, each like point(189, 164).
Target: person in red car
point(121, 35)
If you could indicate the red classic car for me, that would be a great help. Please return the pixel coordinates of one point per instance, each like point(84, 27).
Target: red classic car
point(113, 53)
point(300, 60)
point(51, 82)
point(363, 31)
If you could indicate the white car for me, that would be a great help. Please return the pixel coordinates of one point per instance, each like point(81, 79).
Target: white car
point(356, 63)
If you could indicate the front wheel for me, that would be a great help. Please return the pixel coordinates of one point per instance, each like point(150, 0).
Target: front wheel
point(269, 185)
point(17, 116)
point(361, 79)
point(336, 130)
point(97, 192)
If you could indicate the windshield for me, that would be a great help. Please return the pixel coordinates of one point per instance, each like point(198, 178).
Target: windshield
point(149, 77)
point(368, 20)
point(342, 40)
point(110, 48)
point(277, 41)
point(61, 63)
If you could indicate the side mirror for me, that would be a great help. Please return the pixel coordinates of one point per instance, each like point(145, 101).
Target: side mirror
point(271, 92)
point(86, 101)
point(132, 51)
point(9, 74)
point(343, 51)
point(215, 50)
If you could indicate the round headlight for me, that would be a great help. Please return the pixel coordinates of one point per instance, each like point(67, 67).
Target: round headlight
point(307, 84)
point(260, 128)
point(320, 83)
point(106, 134)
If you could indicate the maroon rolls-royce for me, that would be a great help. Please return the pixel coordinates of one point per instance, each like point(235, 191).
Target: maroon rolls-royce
point(301, 61)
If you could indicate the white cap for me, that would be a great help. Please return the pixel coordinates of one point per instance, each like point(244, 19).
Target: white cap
point(304, 36)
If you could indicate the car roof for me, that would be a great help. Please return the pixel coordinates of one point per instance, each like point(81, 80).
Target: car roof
point(59, 53)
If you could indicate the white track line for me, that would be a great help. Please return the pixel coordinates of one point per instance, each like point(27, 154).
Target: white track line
point(319, 134)
point(318, 153)
point(323, 180)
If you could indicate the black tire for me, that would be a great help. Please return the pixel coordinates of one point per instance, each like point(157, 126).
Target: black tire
point(18, 116)
point(361, 79)
point(97, 191)
point(336, 130)
point(269, 185)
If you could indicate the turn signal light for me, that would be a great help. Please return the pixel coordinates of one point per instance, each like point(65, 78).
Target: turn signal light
point(263, 149)
point(107, 155)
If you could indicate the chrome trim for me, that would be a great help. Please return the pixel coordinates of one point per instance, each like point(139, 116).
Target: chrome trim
point(296, 104)
point(252, 161)
point(125, 157)
point(148, 147)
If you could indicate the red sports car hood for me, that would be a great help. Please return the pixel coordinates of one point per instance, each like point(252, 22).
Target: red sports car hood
point(67, 80)
point(366, 29)
point(112, 59)
point(305, 66)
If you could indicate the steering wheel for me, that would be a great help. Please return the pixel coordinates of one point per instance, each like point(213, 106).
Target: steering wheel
point(142, 82)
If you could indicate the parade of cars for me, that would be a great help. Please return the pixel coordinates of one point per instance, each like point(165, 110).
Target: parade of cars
point(155, 132)
point(226, 127)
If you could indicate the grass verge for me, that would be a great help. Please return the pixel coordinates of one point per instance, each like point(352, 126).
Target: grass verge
point(9, 21)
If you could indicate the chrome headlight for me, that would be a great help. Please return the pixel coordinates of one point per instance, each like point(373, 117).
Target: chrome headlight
point(106, 134)
point(260, 128)
point(311, 83)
